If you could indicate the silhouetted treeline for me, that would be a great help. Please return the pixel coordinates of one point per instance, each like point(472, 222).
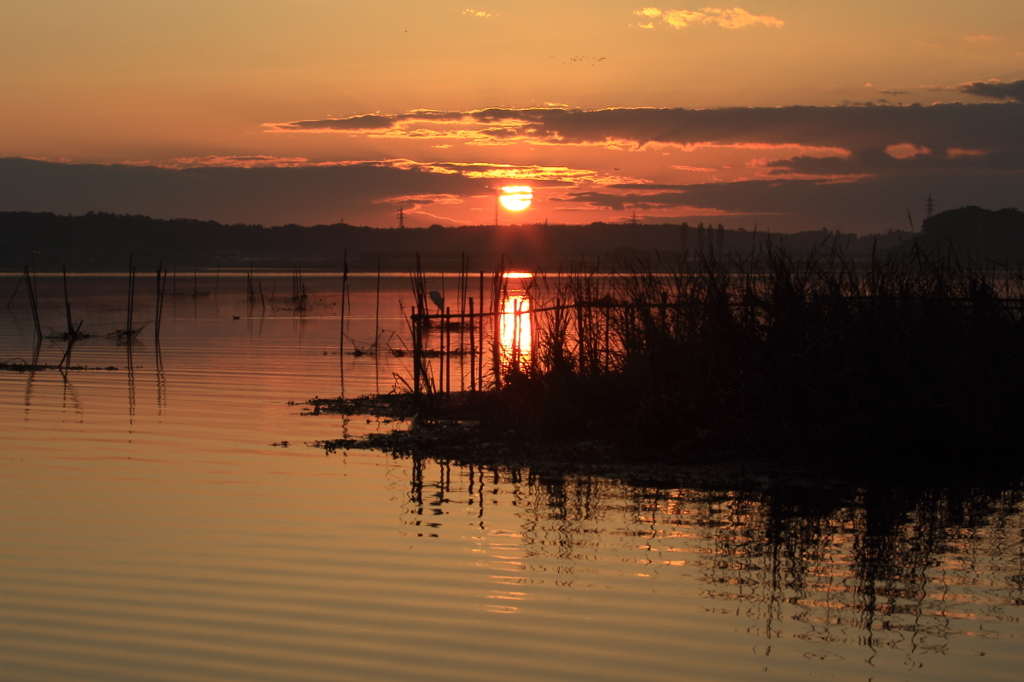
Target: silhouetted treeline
point(104, 241)
point(997, 235)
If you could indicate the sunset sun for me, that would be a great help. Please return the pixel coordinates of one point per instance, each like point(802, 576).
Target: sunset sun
point(516, 197)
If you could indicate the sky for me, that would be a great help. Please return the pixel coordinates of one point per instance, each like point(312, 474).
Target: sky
point(785, 114)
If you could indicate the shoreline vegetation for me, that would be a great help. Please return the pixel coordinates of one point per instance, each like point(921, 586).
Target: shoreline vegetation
point(910, 365)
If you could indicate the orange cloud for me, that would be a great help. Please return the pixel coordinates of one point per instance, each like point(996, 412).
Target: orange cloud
point(253, 161)
point(423, 199)
point(696, 169)
point(726, 18)
point(955, 152)
point(905, 150)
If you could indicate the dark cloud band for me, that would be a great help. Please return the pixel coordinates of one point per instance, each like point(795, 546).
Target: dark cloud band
point(853, 128)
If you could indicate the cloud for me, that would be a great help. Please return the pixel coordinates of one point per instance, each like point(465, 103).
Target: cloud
point(353, 123)
point(868, 205)
point(994, 89)
point(852, 129)
point(476, 13)
point(538, 175)
point(905, 150)
point(247, 161)
point(308, 195)
point(726, 18)
point(696, 169)
point(954, 152)
point(847, 167)
point(862, 192)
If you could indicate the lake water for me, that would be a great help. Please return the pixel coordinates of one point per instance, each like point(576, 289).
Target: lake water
point(167, 520)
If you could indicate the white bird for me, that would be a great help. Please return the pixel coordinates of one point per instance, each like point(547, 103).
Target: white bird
point(438, 299)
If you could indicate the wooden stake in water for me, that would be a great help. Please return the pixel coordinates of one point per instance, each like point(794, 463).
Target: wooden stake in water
point(496, 295)
point(32, 302)
point(376, 334)
point(463, 291)
point(128, 317)
point(440, 355)
point(416, 360)
point(15, 292)
point(161, 288)
point(480, 364)
point(448, 343)
point(472, 348)
point(344, 295)
point(67, 303)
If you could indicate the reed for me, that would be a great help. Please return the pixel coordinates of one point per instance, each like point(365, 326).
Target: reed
point(908, 354)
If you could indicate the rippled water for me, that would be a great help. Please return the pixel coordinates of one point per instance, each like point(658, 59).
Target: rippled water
point(166, 520)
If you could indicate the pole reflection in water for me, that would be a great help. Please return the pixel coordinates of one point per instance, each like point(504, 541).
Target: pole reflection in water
point(897, 580)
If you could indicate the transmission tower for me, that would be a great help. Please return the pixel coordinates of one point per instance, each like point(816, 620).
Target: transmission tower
point(929, 205)
point(401, 217)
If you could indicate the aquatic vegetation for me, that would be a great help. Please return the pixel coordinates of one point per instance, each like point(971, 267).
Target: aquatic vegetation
point(912, 355)
point(21, 366)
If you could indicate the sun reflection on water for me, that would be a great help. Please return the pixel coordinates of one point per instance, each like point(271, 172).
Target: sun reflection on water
point(516, 329)
point(516, 332)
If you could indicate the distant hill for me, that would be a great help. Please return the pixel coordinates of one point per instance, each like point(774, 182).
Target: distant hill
point(997, 235)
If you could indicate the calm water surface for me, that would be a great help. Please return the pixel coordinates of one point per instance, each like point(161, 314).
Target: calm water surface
point(168, 521)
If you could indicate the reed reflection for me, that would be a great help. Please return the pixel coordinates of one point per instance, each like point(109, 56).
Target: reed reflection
point(873, 570)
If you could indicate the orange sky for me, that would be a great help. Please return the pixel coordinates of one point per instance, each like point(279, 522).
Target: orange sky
point(789, 114)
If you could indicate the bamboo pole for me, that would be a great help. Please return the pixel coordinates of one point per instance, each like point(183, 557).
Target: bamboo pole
point(161, 289)
point(15, 292)
point(448, 343)
point(376, 334)
point(32, 302)
point(128, 317)
point(472, 348)
point(480, 363)
point(496, 328)
point(416, 360)
point(376, 312)
point(344, 290)
point(463, 290)
point(440, 355)
point(67, 303)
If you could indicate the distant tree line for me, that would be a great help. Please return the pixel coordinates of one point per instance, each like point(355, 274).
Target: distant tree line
point(105, 241)
point(997, 235)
